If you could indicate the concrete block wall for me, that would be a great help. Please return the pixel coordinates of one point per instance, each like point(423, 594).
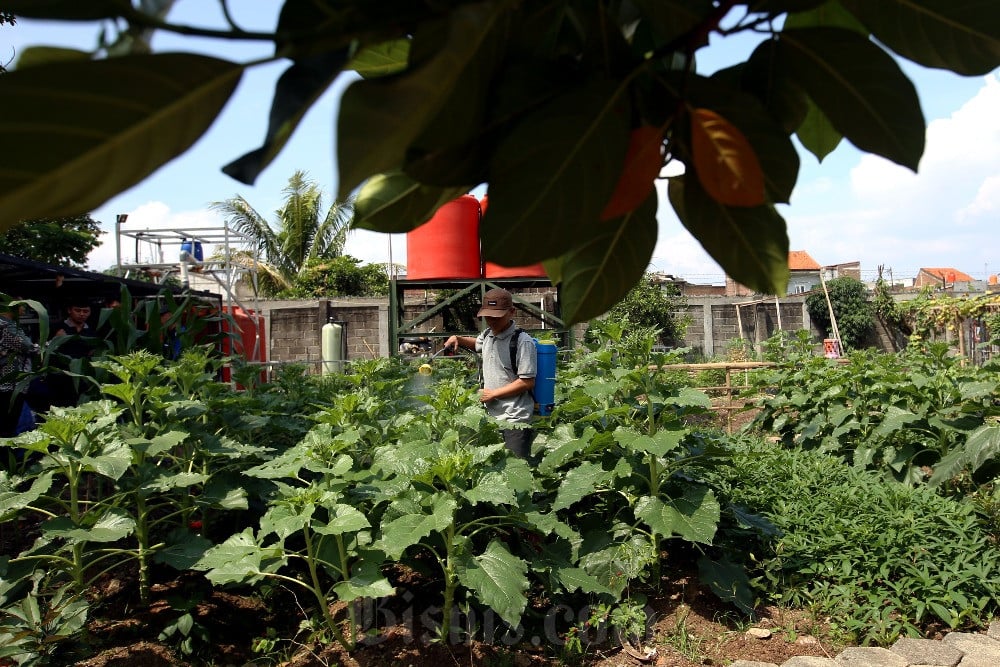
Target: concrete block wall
point(294, 327)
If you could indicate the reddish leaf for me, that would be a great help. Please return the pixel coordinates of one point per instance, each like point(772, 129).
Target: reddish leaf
point(726, 165)
point(639, 171)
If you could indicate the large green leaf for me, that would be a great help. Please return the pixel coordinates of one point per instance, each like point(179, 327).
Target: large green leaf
point(552, 174)
point(394, 202)
point(379, 118)
point(580, 482)
point(826, 14)
point(599, 271)
point(11, 500)
point(298, 87)
point(499, 580)
point(183, 553)
point(405, 531)
point(751, 244)
point(451, 149)
point(113, 525)
point(860, 88)
point(366, 581)
point(575, 578)
point(817, 133)
point(729, 581)
point(237, 559)
point(960, 35)
point(982, 446)
point(77, 133)
point(694, 516)
point(343, 519)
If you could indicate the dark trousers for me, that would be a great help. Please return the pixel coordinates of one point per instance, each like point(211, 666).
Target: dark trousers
point(10, 413)
point(519, 441)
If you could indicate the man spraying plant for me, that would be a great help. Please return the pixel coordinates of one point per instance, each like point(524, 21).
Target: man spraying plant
point(506, 392)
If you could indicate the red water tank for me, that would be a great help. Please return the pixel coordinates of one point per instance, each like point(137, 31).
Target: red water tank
point(447, 245)
point(244, 337)
point(493, 270)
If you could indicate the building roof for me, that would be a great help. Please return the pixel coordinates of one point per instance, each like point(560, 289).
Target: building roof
point(800, 260)
point(948, 274)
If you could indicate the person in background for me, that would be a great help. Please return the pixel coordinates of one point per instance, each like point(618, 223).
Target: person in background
point(64, 389)
point(506, 391)
point(16, 351)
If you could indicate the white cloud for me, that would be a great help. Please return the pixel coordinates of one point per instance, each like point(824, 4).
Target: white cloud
point(987, 201)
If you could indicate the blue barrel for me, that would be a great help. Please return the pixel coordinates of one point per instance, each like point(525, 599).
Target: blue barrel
point(192, 249)
point(545, 378)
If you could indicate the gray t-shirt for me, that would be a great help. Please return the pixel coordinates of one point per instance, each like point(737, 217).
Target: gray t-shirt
point(497, 372)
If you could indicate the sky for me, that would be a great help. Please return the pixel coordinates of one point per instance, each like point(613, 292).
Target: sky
point(851, 207)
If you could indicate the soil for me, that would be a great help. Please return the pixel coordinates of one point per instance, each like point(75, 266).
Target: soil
point(688, 627)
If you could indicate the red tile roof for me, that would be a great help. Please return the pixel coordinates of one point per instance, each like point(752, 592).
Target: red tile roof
point(948, 274)
point(799, 260)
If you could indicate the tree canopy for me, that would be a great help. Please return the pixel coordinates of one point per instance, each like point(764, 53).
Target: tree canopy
point(566, 109)
point(63, 241)
point(302, 233)
point(854, 312)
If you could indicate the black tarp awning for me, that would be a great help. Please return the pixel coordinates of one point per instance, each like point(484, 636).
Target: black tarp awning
point(55, 286)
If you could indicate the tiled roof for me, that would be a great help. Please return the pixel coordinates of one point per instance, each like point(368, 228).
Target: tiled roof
point(799, 260)
point(948, 274)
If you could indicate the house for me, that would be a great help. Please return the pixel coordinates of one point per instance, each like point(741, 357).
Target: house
point(804, 274)
point(940, 277)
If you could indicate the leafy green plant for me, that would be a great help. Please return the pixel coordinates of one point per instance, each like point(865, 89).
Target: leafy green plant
point(851, 308)
point(883, 559)
point(654, 305)
point(898, 413)
point(35, 629)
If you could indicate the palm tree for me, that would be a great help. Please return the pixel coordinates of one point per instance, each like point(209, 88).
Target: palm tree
point(301, 233)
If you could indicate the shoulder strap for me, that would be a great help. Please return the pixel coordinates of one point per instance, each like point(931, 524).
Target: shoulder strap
point(514, 340)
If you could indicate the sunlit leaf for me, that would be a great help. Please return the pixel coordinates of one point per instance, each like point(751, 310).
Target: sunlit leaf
point(499, 580)
point(724, 161)
point(40, 55)
point(817, 133)
point(382, 59)
point(393, 202)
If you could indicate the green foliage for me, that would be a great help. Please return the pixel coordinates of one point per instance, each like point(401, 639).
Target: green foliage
point(566, 112)
point(380, 465)
point(339, 276)
point(64, 241)
point(879, 559)
point(654, 305)
point(851, 307)
point(932, 313)
point(894, 413)
point(302, 237)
